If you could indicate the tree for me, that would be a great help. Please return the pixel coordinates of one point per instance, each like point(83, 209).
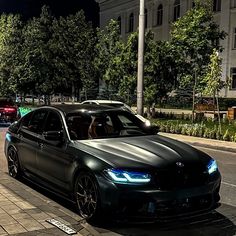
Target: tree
point(10, 53)
point(213, 80)
point(194, 36)
point(159, 68)
point(108, 60)
point(38, 75)
point(73, 48)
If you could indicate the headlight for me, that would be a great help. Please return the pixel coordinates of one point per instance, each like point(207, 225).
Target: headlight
point(122, 176)
point(212, 166)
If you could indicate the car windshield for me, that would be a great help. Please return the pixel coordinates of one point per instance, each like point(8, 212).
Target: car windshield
point(6, 102)
point(103, 125)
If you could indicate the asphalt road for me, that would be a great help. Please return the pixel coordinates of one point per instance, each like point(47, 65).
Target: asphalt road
point(221, 222)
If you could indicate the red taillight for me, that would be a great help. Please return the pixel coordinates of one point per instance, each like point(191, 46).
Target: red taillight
point(9, 109)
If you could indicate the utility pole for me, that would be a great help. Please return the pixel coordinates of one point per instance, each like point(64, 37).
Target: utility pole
point(141, 36)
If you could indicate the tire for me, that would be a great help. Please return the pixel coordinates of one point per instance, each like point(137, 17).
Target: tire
point(87, 197)
point(14, 169)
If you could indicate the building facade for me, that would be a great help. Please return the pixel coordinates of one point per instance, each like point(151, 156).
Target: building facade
point(159, 15)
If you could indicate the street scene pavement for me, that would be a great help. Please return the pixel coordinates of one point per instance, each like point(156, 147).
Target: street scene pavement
point(25, 208)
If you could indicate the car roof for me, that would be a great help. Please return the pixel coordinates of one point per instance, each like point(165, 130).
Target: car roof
point(73, 108)
point(104, 101)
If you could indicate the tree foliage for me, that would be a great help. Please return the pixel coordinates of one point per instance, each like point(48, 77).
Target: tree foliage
point(194, 37)
point(108, 60)
point(10, 53)
point(46, 55)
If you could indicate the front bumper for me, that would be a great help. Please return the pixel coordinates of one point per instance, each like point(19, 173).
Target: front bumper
point(149, 202)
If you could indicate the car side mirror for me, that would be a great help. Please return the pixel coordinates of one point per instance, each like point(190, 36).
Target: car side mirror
point(53, 136)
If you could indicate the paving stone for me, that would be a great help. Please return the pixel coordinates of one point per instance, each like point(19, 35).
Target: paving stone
point(30, 224)
point(21, 215)
point(14, 229)
point(2, 231)
point(11, 208)
point(69, 219)
point(41, 216)
point(84, 232)
point(25, 205)
point(92, 230)
point(46, 224)
point(6, 219)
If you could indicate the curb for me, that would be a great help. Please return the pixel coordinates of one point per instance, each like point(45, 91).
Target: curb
point(203, 142)
point(226, 149)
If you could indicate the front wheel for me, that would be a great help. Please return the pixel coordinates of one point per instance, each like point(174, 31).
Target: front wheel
point(87, 196)
point(13, 163)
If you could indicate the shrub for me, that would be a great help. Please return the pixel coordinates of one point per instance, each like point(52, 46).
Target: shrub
point(226, 136)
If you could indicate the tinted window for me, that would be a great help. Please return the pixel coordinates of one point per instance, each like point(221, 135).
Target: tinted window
point(26, 119)
point(104, 124)
point(53, 122)
point(37, 121)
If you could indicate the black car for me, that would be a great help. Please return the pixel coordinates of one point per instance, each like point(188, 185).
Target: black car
point(8, 110)
point(106, 160)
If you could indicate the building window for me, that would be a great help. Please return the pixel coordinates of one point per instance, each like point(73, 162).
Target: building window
point(159, 14)
point(234, 39)
point(216, 5)
point(176, 9)
point(146, 18)
point(119, 24)
point(233, 77)
point(131, 22)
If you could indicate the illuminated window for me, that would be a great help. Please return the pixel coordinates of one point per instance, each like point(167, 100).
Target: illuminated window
point(131, 22)
point(146, 18)
point(234, 39)
point(176, 10)
point(233, 77)
point(159, 14)
point(119, 23)
point(216, 5)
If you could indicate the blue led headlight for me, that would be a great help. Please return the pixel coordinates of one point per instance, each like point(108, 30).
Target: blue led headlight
point(121, 176)
point(212, 166)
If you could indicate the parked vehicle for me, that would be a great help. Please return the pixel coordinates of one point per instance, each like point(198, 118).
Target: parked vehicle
point(117, 104)
point(107, 161)
point(8, 110)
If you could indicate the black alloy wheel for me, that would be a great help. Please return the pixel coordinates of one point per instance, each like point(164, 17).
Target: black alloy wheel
point(13, 163)
point(87, 196)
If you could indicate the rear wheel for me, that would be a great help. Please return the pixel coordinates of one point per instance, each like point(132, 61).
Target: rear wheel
point(87, 196)
point(13, 163)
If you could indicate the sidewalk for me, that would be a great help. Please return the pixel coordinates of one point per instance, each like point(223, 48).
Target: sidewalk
point(203, 142)
point(24, 211)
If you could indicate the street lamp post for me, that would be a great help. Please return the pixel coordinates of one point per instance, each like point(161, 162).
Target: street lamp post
point(140, 58)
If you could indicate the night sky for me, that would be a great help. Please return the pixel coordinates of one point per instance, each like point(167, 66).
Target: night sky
point(29, 8)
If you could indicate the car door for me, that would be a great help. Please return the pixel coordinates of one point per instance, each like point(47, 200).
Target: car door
point(52, 156)
point(28, 134)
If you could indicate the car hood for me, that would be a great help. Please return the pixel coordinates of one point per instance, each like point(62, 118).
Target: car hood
point(144, 151)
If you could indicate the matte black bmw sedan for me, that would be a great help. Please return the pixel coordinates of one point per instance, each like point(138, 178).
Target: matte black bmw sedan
point(106, 160)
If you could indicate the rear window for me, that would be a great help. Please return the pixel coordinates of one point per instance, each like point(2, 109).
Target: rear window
point(6, 102)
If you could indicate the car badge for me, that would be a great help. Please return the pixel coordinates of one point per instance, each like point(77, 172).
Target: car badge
point(180, 164)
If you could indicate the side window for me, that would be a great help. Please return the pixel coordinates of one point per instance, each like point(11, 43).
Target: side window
point(53, 123)
point(37, 121)
point(26, 119)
